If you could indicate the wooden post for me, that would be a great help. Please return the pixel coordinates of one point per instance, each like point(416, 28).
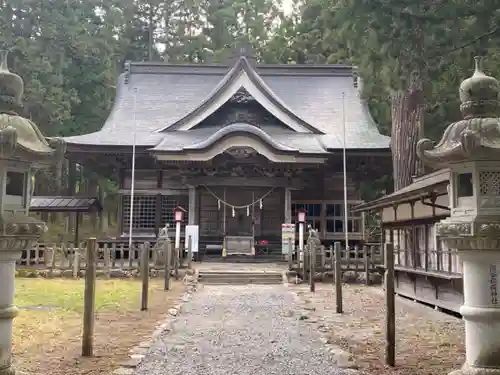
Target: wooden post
point(332, 265)
point(107, 260)
point(144, 275)
point(190, 251)
point(390, 310)
point(168, 260)
point(338, 279)
point(366, 257)
point(312, 266)
point(76, 263)
point(89, 299)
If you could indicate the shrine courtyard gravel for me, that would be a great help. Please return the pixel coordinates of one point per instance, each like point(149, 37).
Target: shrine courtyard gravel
point(250, 329)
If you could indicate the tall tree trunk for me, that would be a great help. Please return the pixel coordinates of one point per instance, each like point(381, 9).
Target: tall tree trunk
point(150, 32)
point(407, 108)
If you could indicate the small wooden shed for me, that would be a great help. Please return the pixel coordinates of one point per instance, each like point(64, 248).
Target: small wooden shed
point(425, 270)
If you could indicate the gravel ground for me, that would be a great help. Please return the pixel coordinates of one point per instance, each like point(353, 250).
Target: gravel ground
point(251, 329)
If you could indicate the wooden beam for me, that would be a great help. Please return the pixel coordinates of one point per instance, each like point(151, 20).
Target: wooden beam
point(244, 181)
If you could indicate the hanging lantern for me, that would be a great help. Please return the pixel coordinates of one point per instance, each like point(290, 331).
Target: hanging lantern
point(260, 204)
point(218, 204)
point(234, 213)
point(248, 210)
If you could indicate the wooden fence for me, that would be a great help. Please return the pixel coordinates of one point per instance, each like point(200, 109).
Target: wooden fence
point(110, 257)
point(367, 259)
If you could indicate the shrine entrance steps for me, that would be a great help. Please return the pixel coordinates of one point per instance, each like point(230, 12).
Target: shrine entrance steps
point(240, 277)
point(260, 258)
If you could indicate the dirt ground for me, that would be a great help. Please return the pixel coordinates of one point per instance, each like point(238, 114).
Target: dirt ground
point(427, 342)
point(49, 342)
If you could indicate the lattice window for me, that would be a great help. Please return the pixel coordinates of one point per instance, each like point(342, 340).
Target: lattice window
point(168, 203)
point(489, 183)
point(143, 213)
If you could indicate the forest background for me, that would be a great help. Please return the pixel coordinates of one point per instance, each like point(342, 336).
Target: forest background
point(411, 55)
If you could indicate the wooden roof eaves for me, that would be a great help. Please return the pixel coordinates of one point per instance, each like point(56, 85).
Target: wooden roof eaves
point(241, 65)
point(382, 152)
point(414, 221)
point(106, 149)
point(407, 197)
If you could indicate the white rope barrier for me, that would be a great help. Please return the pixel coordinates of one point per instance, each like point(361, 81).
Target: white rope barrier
point(233, 207)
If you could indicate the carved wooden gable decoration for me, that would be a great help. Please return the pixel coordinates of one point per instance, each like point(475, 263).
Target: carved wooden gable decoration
point(242, 108)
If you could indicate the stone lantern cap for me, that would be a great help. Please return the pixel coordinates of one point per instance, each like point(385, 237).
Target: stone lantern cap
point(20, 137)
point(477, 136)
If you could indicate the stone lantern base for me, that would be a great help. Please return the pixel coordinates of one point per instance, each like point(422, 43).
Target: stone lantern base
point(17, 233)
point(478, 244)
point(469, 370)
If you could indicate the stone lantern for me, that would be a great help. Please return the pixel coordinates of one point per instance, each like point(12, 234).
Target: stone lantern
point(23, 149)
point(471, 149)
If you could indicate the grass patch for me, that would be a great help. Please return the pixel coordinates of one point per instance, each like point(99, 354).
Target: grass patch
point(68, 294)
point(47, 332)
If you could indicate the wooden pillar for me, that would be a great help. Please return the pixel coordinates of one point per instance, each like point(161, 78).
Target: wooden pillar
point(288, 206)
point(224, 223)
point(158, 202)
point(119, 214)
point(192, 219)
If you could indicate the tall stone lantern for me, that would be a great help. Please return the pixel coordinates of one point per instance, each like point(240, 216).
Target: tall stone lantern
point(23, 149)
point(471, 149)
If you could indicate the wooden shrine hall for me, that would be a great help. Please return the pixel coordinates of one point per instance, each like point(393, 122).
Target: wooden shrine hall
point(241, 146)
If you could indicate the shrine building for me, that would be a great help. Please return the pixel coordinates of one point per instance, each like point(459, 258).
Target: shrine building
point(241, 146)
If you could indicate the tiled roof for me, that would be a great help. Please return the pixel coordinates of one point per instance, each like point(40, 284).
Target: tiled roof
point(64, 204)
point(163, 94)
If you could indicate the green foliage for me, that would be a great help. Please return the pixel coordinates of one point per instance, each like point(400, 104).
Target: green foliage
point(69, 52)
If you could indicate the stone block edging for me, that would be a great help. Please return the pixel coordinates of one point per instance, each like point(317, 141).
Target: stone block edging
point(342, 359)
point(138, 352)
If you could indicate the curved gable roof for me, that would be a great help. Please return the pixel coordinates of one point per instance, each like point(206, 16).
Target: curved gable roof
point(152, 96)
point(242, 75)
point(230, 130)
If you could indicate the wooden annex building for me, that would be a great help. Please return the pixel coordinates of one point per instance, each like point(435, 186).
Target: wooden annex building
point(425, 269)
point(241, 146)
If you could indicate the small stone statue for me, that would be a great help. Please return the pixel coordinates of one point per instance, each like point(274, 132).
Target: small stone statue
point(163, 232)
point(313, 235)
point(161, 241)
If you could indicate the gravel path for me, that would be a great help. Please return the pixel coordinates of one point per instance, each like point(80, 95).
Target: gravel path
point(229, 330)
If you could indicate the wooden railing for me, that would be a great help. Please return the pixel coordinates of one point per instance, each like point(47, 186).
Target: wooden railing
point(443, 260)
point(70, 260)
point(355, 259)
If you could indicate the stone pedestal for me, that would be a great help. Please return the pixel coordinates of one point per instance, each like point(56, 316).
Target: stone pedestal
point(481, 311)
point(7, 309)
point(18, 232)
point(478, 244)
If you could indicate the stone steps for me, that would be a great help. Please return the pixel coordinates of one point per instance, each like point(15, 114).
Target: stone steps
point(239, 277)
point(264, 258)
